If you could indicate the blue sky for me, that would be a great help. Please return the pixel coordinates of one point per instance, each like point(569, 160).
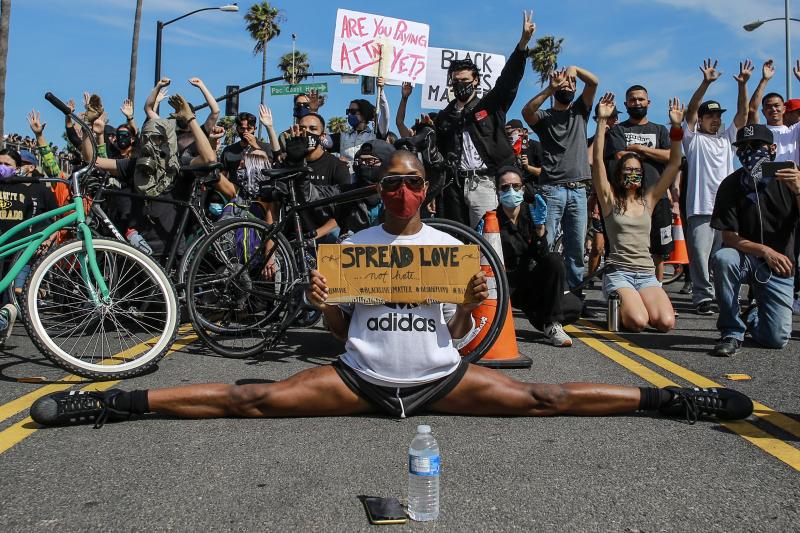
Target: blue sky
point(68, 46)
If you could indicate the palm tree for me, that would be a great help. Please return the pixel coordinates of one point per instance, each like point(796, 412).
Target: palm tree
point(294, 66)
point(134, 51)
point(228, 123)
point(262, 25)
point(337, 125)
point(544, 57)
point(5, 16)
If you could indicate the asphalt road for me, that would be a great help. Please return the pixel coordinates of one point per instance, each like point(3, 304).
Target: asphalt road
point(625, 473)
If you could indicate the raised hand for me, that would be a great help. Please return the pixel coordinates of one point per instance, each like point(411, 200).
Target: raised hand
point(380, 82)
point(86, 97)
point(796, 70)
point(315, 100)
point(127, 109)
point(606, 106)
point(745, 71)
point(71, 105)
point(196, 82)
point(709, 70)
point(37, 126)
point(528, 28)
point(163, 82)
point(94, 107)
point(217, 132)
point(768, 69)
point(265, 114)
point(99, 124)
point(183, 111)
point(558, 79)
point(406, 89)
point(676, 112)
point(161, 95)
point(251, 140)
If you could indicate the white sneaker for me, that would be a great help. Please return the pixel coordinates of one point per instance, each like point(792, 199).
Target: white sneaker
point(557, 336)
point(796, 308)
point(10, 312)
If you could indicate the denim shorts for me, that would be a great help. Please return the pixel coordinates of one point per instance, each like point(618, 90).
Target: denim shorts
point(621, 279)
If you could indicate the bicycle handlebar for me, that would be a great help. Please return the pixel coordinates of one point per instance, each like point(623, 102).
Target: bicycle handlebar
point(87, 133)
point(53, 99)
point(32, 179)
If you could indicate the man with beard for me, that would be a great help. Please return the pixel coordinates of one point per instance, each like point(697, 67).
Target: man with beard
point(757, 214)
point(473, 129)
point(565, 167)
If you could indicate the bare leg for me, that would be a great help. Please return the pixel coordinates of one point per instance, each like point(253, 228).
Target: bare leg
point(632, 312)
point(659, 308)
point(658, 261)
point(313, 392)
point(486, 392)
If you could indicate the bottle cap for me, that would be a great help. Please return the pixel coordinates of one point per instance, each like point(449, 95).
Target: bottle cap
point(423, 429)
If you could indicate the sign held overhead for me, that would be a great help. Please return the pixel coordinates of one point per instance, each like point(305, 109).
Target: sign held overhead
point(435, 91)
point(374, 45)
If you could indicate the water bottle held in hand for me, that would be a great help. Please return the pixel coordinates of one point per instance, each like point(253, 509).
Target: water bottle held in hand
point(424, 464)
point(138, 242)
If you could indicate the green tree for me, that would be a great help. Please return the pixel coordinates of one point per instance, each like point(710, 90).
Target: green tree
point(5, 16)
point(337, 125)
point(263, 25)
point(544, 57)
point(137, 19)
point(228, 122)
point(294, 66)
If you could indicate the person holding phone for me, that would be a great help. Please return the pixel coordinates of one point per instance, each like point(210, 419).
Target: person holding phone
point(756, 210)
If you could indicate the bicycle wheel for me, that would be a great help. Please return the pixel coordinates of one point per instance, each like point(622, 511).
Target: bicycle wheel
point(237, 306)
point(489, 257)
point(121, 338)
point(672, 273)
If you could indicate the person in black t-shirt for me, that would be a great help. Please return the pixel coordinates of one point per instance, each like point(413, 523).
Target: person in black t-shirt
point(245, 128)
point(757, 215)
point(651, 142)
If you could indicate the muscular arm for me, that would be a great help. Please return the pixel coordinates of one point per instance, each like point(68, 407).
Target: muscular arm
point(755, 101)
point(590, 83)
point(530, 109)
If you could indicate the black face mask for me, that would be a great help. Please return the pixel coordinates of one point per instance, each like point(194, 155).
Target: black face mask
point(301, 110)
point(463, 90)
point(564, 96)
point(123, 141)
point(366, 174)
point(637, 113)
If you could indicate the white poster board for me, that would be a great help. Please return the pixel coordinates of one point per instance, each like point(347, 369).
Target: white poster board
point(361, 39)
point(435, 94)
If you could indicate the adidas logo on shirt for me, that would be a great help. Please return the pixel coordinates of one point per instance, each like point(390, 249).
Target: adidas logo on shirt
point(400, 322)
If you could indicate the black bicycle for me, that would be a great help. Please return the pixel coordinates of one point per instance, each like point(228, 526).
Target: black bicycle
point(257, 288)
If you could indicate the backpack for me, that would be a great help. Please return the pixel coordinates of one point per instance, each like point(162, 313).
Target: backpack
point(246, 242)
point(157, 163)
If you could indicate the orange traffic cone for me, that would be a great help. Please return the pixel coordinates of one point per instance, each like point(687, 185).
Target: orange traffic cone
point(679, 255)
point(504, 353)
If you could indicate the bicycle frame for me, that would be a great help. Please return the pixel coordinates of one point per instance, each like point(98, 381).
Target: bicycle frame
point(71, 214)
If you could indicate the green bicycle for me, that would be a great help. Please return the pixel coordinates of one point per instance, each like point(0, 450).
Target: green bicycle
point(96, 307)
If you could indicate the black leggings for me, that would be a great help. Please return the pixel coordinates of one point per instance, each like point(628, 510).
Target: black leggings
point(540, 294)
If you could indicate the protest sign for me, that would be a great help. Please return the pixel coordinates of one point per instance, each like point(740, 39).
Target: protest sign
point(362, 39)
point(435, 94)
point(376, 274)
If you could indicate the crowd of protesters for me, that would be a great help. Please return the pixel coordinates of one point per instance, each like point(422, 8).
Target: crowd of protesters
point(550, 183)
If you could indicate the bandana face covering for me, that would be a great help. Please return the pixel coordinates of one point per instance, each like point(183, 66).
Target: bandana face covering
point(632, 180)
point(751, 160)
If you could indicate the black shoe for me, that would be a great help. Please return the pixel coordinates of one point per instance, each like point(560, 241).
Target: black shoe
point(705, 308)
point(727, 347)
point(695, 403)
point(77, 407)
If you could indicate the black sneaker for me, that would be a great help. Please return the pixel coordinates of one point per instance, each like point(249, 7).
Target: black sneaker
point(695, 403)
point(77, 407)
point(727, 347)
point(705, 308)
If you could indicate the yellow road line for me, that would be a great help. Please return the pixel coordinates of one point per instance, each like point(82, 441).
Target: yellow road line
point(756, 436)
point(26, 427)
point(788, 424)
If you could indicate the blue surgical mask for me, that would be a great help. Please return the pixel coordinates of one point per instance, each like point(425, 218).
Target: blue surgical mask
point(353, 120)
point(511, 198)
point(215, 209)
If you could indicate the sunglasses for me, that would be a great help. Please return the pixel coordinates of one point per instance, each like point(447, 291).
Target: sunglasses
point(508, 186)
point(353, 111)
point(392, 183)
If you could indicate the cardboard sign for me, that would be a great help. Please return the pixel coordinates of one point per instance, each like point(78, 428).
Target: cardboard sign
point(362, 39)
point(435, 93)
point(376, 274)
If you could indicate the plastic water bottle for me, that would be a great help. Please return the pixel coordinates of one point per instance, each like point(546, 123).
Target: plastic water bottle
point(423, 476)
point(138, 242)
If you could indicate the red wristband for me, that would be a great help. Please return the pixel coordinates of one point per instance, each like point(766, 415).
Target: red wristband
point(676, 133)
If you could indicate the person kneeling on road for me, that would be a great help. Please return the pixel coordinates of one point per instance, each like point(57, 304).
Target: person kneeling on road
point(757, 215)
point(536, 276)
point(396, 372)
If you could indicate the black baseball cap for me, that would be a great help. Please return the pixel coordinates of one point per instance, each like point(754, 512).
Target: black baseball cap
point(376, 148)
point(515, 124)
point(757, 133)
point(710, 106)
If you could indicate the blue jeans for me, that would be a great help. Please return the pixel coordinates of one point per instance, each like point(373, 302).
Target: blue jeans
point(567, 208)
point(770, 323)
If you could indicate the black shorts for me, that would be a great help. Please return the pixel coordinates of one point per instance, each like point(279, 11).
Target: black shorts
point(661, 229)
point(403, 401)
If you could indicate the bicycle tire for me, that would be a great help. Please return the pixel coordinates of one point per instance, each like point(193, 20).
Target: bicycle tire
point(674, 276)
point(465, 233)
point(54, 307)
point(227, 315)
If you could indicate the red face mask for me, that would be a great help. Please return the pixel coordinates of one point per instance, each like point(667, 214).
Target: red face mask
point(403, 203)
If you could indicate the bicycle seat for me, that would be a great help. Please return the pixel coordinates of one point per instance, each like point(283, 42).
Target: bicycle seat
point(285, 173)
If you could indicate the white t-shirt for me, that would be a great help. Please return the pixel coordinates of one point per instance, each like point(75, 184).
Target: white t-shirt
point(400, 345)
point(786, 137)
point(710, 160)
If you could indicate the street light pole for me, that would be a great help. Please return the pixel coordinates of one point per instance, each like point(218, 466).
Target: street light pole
point(160, 28)
point(788, 53)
